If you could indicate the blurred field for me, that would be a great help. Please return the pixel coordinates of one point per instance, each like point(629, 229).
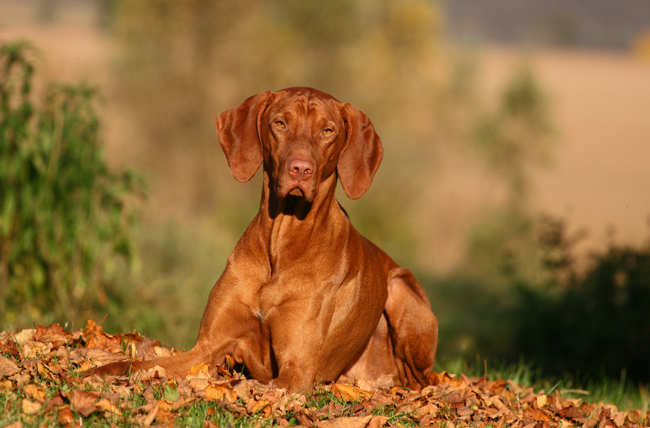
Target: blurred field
point(599, 102)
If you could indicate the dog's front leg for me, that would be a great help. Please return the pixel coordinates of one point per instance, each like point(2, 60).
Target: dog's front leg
point(298, 329)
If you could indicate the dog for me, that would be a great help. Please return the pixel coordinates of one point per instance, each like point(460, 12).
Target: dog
point(304, 297)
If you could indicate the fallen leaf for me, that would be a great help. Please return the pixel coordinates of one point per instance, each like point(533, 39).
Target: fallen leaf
point(7, 367)
point(148, 420)
point(54, 334)
point(105, 404)
point(221, 393)
point(165, 417)
point(171, 394)
point(378, 421)
point(571, 412)
point(84, 401)
point(24, 336)
point(349, 393)
point(36, 393)
point(31, 407)
point(346, 422)
point(8, 346)
point(255, 406)
point(65, 415)
point(539, 415)
point(200, 371)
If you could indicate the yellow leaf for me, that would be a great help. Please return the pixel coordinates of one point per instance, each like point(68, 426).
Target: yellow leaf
point(31, 407)
point(349, 393)
point(255, 406)
point(200, 371)
point(220, 392)
point(35, 392)
point(25, 336)
point(105, 404)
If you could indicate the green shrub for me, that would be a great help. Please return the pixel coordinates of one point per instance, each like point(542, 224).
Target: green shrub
point(65, 218)
point(593, 323)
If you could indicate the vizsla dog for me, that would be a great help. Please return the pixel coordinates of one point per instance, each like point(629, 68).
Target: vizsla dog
point(304, 297)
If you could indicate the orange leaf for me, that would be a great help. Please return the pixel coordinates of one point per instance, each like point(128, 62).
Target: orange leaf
point(65, 415)
point(220, 392)
point(84, 401)
point(31, 407)
point(345, 422)
point(201, 371)
point(105, 404)
point(349, 393)
point(36, 393)
point(54, 334)
point(255, 406)
point(165, 417)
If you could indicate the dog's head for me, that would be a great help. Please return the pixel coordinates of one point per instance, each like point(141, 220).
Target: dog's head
point(303, 136)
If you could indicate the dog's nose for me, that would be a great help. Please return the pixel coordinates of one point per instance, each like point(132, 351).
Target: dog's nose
point(300, 169)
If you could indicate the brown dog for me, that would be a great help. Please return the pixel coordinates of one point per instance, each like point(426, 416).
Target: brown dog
point(304, 297)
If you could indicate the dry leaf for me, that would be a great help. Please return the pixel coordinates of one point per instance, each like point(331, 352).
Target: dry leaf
point(220, 392)
point(7, 367)
point(105, 404)
point(468, 401)
point(165, 417)
point(31, 407)
point(84, 401)
point(345, 422)
point(65, 415)
point(378, 421)
point(36, 393)
point(24, 336)
point(255, 406)
point(148, 420)
point(199, 371)
point(349, 393)
point(54, 334)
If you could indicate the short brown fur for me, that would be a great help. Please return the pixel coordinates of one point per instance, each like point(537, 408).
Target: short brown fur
point(304, 297)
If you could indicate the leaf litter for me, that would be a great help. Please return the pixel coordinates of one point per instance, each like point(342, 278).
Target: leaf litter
point(39, 377)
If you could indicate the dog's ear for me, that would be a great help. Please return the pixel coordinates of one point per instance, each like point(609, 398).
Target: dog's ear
point(361, 154)
point(238, 134)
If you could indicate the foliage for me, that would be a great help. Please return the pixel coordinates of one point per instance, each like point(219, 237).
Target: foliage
point(592, 322)
point(40, 385)
point(516, 135)
point(65, 218)
point(581, 321)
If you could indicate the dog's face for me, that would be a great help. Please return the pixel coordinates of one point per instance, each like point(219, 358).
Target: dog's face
point(303, 136)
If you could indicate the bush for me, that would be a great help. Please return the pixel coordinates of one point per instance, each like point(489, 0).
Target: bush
point(65, 218)
point(593, 323)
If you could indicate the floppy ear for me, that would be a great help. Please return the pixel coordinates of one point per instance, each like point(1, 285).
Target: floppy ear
point(361, 154)
point(237, 130)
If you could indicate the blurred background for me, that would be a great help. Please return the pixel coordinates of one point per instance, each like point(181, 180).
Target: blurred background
point(515, 181)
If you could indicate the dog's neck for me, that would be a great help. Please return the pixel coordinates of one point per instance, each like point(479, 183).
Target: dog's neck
point(289, 223)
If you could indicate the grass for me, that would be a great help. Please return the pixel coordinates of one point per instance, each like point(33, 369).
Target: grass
point(623, 393)
point(200, 413)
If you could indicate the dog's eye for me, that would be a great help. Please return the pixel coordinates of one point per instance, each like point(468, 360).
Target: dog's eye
point(327, 131)
point(280, 124)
